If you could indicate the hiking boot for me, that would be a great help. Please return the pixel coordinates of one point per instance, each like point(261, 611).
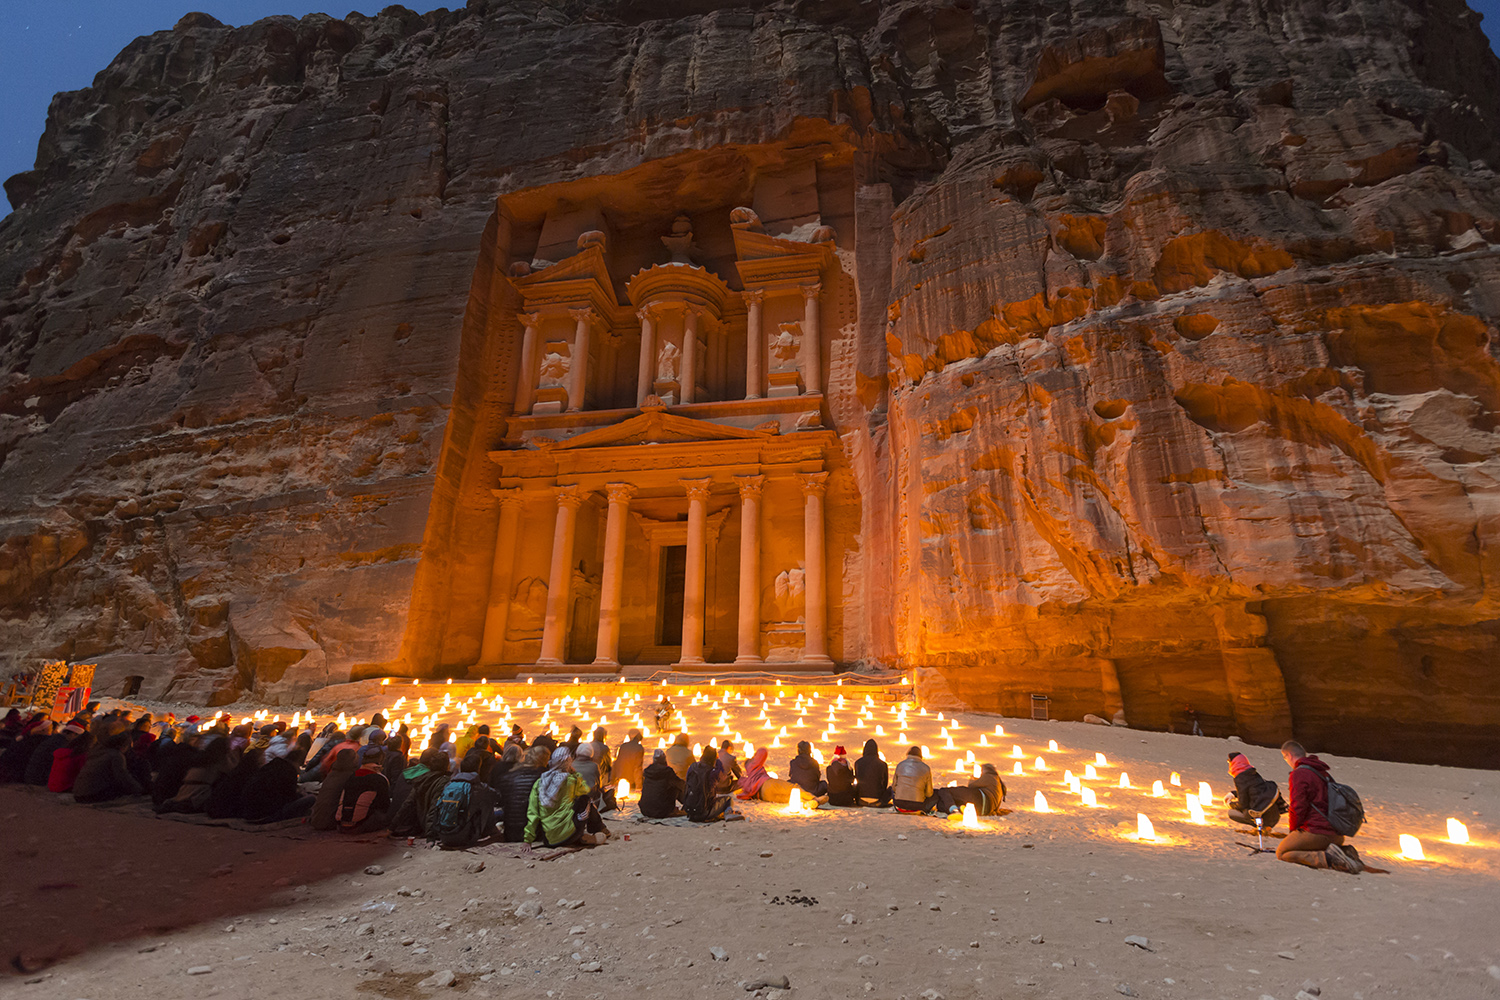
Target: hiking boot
point(1353, 855)
point(1339, 861)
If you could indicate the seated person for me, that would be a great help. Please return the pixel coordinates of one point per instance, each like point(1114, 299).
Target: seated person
point(464, 814)
point(841, 780)
point(365, 802)
point(104, 775)
point(680, 755)
point(588, 768)
point(630, 760)
point(661, 788)
point(912, 790)
point(271, 793)
point(560, 811)
point(804, 772)
point(984, 793)
point(325, 811)
point(699, 799)
point(872, 777)
point(515, 792)
point(421, 785)
point(758, 783)
point(1253, 796)
point(727, 773)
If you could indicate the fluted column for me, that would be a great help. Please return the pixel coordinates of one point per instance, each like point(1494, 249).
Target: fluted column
point(578, 381)
point(695, 570)
point(812, 342)
point(689, 354)
point(491, 646)
point(749, 621)
point(608, 649)
point(815, 592)
point(560, 579)
point(526, 380)
point(648, 355)
point(755, 342)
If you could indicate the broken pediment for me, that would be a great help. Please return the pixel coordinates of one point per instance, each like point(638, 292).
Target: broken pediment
point(659, 427)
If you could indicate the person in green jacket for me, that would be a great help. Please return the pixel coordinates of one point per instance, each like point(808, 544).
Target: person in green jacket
point(560, 811)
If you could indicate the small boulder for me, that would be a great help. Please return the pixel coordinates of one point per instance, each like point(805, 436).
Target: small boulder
point(719, 954)
point(439, 980)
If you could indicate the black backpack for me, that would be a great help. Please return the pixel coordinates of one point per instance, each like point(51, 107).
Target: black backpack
point(1346, 813)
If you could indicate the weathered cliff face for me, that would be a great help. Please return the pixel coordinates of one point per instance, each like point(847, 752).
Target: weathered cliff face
point(1172, 384)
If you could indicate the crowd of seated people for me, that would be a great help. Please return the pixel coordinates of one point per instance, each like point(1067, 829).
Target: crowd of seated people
point(462, 789)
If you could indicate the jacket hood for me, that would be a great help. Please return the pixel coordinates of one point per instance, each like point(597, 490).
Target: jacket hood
point(871, 749)
point(1313, 762)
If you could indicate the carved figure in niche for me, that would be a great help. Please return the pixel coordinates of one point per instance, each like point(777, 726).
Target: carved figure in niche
point(681, 241)
point(785, 346)
point(790, 586)
point(668, 361)
point(528, 609)
point(555, 366)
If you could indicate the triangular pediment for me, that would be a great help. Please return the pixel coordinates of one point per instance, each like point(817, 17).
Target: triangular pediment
point(658, 427)
point(586, 264)
point(751, 245)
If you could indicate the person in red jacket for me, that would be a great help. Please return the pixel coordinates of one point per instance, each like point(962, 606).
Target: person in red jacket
point(1312, 841)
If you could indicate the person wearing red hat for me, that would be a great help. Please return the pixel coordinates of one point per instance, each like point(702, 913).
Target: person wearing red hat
point(841, 780)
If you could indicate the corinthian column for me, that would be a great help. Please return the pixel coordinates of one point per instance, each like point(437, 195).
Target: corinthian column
point(689, 354)
point(560, 580)
point(755, 342)
point(578, 380)
point(501, 573)
point(647, 372)
point(812, 343)
point(526, 380)
point(815, 595)
point(695, 570)
point(749, 621)
point(608, 652)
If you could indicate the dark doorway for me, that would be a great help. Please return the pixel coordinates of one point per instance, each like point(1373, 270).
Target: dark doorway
point(673, 576)
point(132, 686)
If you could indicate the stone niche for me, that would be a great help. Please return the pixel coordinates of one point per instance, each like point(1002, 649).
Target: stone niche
point(654, 366)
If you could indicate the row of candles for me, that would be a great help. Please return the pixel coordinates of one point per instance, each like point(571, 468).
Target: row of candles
point(695, 715)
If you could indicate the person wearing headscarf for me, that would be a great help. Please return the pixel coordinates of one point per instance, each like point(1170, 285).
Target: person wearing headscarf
point(680, 755)
point(418, 788)
point(560, 811)
point(324, 814)
point(630, 760)
point(588, 769)
point(759, 783)
point(841, 780)
point(661, 788)
point(68, 761)
point(239, 739)
point(699, 800)
point(514, 788)
point(803, 771)
point(1253, 796)
point(872, 777)
point(912, 791)
point(39, 767)
point(984, 793)
point(104, 775)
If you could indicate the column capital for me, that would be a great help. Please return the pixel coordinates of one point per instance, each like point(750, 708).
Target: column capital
point(509, 499)
point(584, 315)
point(648, 312)
point(697, 489)
point(619, 492)
point(813, 483)
point(811, 290)
point(571, 497)
point(750, 485)
point(753, 294)
point(529, 319)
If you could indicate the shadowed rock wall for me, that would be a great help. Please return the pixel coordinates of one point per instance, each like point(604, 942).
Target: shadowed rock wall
point(1174, 386)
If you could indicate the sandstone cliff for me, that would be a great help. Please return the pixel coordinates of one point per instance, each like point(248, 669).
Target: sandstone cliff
point(1172, 386)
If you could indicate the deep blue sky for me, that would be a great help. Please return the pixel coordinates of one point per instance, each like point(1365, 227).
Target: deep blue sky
point(52, 45)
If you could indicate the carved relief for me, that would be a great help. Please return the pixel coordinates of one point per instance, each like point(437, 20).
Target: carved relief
point(790, 587)
point(668, 362)
point(528, 610)
point(555, 366)
point(785, 346)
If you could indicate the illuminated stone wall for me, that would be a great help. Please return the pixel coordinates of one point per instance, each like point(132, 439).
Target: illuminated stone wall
point(1169, 387)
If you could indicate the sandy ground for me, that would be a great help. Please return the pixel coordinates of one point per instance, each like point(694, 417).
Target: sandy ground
point(843, 903)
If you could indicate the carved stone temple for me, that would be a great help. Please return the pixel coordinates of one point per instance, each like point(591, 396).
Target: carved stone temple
point(663, 480)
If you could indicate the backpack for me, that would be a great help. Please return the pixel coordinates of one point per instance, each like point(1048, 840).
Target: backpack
point(1346, 813)
point(450, 810)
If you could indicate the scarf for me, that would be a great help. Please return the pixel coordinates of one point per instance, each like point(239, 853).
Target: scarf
point(1239, 764)
point(755, 775)
point(549, 787)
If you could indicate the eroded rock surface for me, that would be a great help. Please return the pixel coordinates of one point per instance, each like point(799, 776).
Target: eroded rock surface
point(1173, 386)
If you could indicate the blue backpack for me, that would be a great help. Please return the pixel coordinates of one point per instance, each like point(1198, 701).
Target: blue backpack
point(451, 810)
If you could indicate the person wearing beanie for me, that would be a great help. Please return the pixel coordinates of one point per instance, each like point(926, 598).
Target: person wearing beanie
point(1252, 796)
point(912, 790)
point(841, 780)
point(804, 772)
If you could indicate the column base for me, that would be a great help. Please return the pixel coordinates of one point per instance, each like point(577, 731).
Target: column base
point(604, 662)
point(690, 661)
point(821, 660)
point(547, 661)
point(749, 658)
